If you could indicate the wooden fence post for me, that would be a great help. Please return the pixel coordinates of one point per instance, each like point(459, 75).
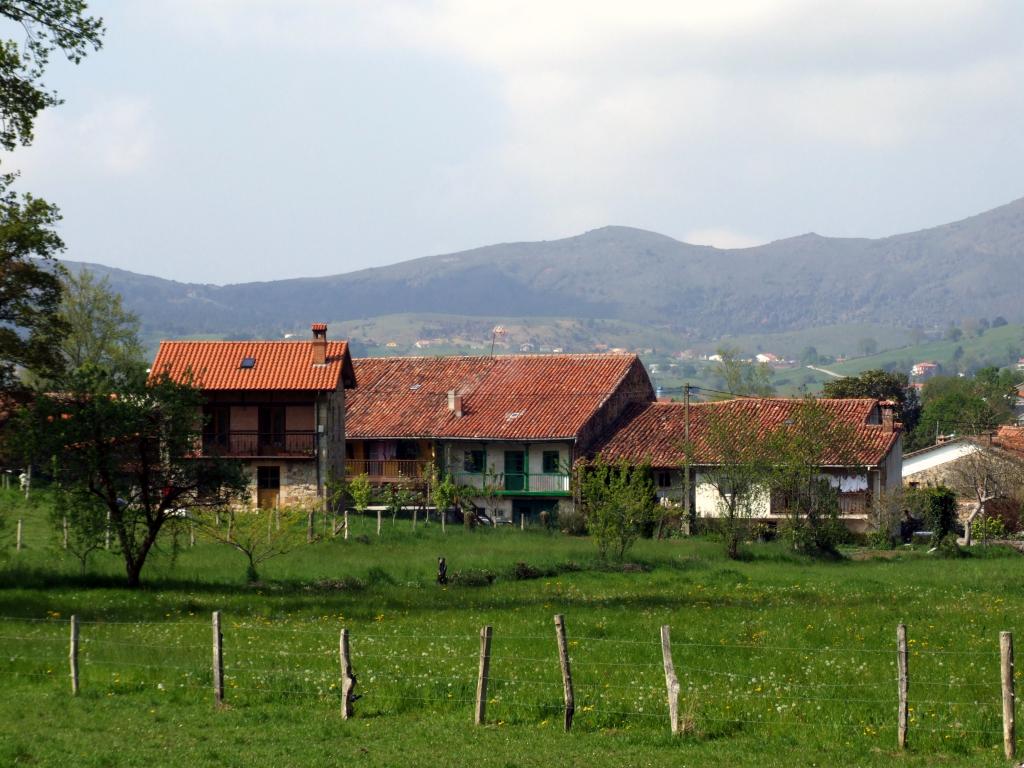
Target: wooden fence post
point(563, 660)
point(1009, 698)
point(73, 655)
point(106, 532)
point(671, 681)
point(904, 685)
point(17, 540)
point(348, 680)
point(485, 669)
point(218, 661)
point(64, 525)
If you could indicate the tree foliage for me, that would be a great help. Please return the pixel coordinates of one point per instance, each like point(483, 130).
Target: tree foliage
point(740, 377)
point(739, 477)
point(880, 385)
point(29, 286)
point(617, 500)
point(99, 329)
point(966, 405)
point(258, 534)
point(811, 439)
point(132, 446)
point(45, 26)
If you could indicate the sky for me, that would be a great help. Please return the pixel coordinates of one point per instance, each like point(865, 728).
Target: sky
point(235, 140)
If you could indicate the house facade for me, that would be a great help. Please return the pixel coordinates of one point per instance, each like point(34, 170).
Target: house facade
point(656, 433)
point(278, 406)
point(511, 426)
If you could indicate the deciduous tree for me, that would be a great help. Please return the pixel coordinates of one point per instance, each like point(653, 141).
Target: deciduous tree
point(739, 475)
point(132, 445)
point(99, 329)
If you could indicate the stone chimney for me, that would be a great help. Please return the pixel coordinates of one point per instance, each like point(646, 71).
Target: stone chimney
point(455, 402)
point(319, 343)
point(888, 411)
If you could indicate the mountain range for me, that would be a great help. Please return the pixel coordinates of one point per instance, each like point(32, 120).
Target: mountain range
point(968, 269)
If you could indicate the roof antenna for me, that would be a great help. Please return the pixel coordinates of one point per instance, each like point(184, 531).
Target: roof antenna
point(498, 330)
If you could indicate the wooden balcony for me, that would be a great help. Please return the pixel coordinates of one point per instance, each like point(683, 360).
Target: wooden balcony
point(290, 444)
point(388, 470)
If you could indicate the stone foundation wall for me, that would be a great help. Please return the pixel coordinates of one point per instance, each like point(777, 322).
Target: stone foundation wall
point(298, 483)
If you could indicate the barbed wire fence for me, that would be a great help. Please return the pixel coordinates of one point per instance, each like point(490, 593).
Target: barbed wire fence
point(687, 687)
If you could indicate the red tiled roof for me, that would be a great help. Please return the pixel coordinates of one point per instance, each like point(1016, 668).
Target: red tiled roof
point(655, 433)
point(278, 364)
point(1010, 439)
point(513, 397)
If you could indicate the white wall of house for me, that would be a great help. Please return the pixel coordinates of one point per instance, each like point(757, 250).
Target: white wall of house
point(709, 503)
point(934, 457)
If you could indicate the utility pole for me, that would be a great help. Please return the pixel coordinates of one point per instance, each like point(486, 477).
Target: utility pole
point(686, 463)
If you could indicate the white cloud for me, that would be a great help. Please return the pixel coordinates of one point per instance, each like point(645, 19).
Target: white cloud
point(115, 139)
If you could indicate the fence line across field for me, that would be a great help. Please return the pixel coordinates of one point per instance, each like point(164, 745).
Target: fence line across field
point(680, 685)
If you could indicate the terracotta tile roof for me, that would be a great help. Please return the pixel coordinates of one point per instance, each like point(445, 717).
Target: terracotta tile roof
point(513, 397)
point(1010, 439)
point(277, 364)
point(655, 433)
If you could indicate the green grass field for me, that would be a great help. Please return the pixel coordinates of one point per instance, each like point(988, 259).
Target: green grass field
point(781, 660)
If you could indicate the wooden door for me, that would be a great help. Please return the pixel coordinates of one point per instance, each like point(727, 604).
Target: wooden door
point(268, 487)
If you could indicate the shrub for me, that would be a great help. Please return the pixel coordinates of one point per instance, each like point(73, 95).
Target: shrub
point(572, 521)
point(377, 575)
point(472, 577)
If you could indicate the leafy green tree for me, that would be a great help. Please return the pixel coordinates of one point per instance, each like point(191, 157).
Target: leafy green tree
point(809, 356)
point(131, 444)
point(740, 377)
point(937, 506)
point(953, 333)
point(29, 286)
point(739, 475)
point(966, 405)
point(880, 385)
point(258, 534)
point(361, 492)
point(99, 329)
point(44, 26)
point(617, 500)
point(443, 493)
point(29, 283)
point(811, 439)
point(80, 518)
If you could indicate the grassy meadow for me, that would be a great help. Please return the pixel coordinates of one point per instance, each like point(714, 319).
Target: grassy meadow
point(781, 660)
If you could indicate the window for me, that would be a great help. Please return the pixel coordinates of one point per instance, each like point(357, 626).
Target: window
point(473, 461)
point(664, 479)
point(268, 478)
point(551, 463)
point(248, 362)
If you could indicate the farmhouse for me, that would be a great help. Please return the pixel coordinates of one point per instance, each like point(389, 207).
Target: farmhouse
point(277, 405)
point(509, 425)
point(656, 433)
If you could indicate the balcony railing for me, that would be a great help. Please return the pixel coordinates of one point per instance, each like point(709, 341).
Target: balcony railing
point(388, 470)
point(512, 483)
point(240, 443)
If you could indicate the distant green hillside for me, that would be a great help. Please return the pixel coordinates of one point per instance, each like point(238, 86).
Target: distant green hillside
point(997, 346)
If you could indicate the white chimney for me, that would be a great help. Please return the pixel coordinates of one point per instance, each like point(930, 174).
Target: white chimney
point(455, 402)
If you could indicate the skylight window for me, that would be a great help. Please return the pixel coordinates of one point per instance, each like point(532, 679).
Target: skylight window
point(248, 362)
point(513, 415)
point(415, 387)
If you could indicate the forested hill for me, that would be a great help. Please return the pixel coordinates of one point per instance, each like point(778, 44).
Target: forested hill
point(970, 268)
